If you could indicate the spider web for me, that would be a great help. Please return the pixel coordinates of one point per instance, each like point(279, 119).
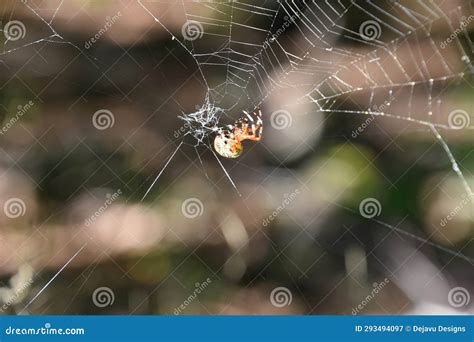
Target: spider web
point(392, 53)
point(379, 55)
point(253, 47)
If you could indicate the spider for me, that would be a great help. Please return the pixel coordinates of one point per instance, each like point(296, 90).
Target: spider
point(228, 142)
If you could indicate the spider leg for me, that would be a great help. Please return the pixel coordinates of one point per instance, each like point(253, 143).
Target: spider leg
point(257, 128)
point(249, 127)
point(259, 117)
point(248, 116)
point(260, 130)
point(254, 138)
point(259, 124)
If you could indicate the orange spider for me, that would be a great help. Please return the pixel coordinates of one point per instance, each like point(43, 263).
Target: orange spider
point(228, 143)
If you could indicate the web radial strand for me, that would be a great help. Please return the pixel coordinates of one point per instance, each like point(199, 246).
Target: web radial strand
point(390, 54)
point(388, 58)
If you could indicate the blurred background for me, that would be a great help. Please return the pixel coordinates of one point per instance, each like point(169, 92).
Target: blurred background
point(335, 211)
